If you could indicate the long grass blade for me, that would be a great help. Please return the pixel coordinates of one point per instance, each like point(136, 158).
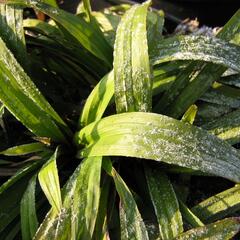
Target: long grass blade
point(189, 216)
point(24, 149)
point(165, 204)
point(132, 81)
point(82, 31)
point(132, 225)
point(11, 20)
point(49, 182)
point(29, 222)
point(219, 205)
point(77, 217)
point(226, 128)
point(98, 100)
point(231, 227)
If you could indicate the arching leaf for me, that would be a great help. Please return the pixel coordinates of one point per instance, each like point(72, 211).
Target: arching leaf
point(160, 138)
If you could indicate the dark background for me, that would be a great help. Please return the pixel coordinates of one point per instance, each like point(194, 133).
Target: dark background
point(209, 12)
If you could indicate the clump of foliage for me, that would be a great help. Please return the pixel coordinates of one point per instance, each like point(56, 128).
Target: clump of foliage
point(104, 145)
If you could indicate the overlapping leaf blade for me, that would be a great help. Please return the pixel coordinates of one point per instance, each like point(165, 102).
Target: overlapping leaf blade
point(82, 31)
point(98, 100)
point(132, 225)
point(11, 193)
point(201, 48)
point(22, 98)
point(29, 222)
point(208, 73)
point(11, 25)
point(131, 64)
point(189, 216)
point(231, 227)
point(49, 181)
point(227, 127)
point(78, 214)
point(157, 137)
point(165, 204)
point(219, 205)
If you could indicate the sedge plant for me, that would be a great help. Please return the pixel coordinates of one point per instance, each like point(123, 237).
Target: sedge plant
point(106, 121)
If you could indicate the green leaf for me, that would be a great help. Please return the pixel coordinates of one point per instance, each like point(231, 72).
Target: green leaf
point(224, 230)
point(11, 193)
point(132, 80)
point(87, 8)
point(49, 182)
point(208, 74)
point(222, 98)
point(180, 82)
point(24, 101)
point(43, 28)
point(209, 111)
point(20, 174)
point(160, 138)
point(165, 204)
point(200, 48)
point(155, 23)
point(29, 222)
point(108, 23)
point(132, 225)
point(54, 41)
point(24, 149)
point(51, 2)
point(189, 216)
point(100, 230)
point(3, 162)
point(86, 198)
point(13, 35)
point(98, 100)
point(190, 114)
point(77, 217)
point(82, 31)
point(102, 94)
point(219, 205)
point(232, 80)
point(226, 127)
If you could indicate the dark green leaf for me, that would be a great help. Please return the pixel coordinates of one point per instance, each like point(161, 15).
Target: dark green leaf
point(189, 216)
point(165, 204)
point(132, 225)
point(13, 35)
point(232, 80)
point(82, 31)
point(23, 99)
point(24, 149)
point(208, 74)
point(29, 222)
point(227, 127)
point(11, 193)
